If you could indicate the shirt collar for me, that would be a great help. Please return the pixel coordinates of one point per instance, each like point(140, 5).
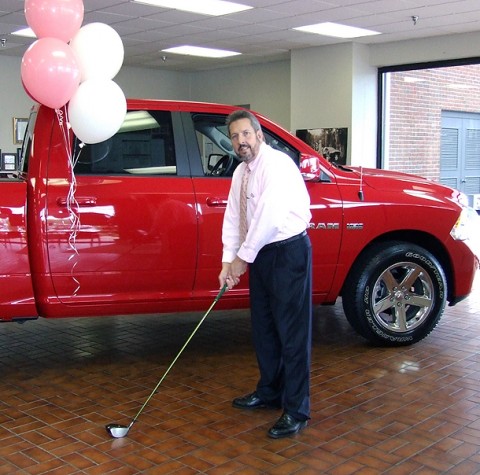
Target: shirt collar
point(253, 164)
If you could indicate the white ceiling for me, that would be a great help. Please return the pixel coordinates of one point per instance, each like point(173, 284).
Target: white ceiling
point(261, 34)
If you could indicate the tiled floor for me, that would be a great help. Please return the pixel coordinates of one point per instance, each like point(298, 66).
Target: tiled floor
point(411, 410)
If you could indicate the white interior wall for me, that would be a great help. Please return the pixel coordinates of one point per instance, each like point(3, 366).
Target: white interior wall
point(321, 93)
point(265, 87)
point(322, 88)
point(363, 134)
point(153, 84)
point(338, 91)
point(14, 102)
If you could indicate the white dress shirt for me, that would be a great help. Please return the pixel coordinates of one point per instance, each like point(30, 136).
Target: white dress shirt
point(278, 205)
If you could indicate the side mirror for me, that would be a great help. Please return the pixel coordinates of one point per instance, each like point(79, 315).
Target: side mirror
point(310, 168)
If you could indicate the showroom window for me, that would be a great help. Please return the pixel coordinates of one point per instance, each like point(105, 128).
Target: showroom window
point(430, 122)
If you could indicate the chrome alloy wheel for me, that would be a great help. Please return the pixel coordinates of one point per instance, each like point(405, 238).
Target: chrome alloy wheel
point(403, 297)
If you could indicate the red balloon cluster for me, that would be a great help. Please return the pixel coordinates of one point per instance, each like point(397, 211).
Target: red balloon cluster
point(74, 65)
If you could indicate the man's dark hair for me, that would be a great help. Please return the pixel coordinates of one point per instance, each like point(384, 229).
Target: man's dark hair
point(243, 114)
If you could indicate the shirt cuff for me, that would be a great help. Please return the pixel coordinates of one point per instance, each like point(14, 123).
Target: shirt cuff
point(228, 256)
point(248, 255)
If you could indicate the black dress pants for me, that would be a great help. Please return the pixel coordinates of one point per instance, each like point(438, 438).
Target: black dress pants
point(281, 313)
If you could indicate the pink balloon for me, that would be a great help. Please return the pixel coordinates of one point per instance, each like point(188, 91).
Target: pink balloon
point(54, 18)
point(50, 72)
point(28, 92)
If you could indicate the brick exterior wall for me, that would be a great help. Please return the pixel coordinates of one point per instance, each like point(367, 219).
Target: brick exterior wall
point(417, 99)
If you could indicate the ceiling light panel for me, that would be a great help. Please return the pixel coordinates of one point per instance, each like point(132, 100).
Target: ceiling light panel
point(199, 51)
point(336, 30)
point(204, 7)
point(27, 32)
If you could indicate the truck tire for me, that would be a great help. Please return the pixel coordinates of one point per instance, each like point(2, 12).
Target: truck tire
point(395, 294)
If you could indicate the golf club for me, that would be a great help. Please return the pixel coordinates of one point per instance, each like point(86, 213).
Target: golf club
point(119, 430)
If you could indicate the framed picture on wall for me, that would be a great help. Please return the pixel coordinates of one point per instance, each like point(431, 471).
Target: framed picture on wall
point(19, 128)
point(331, 143)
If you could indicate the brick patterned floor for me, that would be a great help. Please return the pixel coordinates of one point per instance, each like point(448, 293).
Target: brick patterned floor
point(411, 410)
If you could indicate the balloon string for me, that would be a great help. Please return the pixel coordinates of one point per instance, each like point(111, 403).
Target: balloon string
point(73, 208)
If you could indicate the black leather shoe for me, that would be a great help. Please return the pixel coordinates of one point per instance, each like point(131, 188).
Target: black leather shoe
point(251, 401)
point(285, 426)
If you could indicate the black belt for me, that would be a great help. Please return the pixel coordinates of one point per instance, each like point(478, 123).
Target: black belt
point(285, 241)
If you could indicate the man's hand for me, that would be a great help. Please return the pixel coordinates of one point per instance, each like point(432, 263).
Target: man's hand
point(223, 277)
point(237, 268)
point(231, 272)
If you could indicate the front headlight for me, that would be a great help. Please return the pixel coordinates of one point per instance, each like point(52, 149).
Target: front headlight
point(463, 199)
point(467, 225)
point(467, 229)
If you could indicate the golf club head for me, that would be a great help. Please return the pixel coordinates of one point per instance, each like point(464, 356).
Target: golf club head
point(117, 430)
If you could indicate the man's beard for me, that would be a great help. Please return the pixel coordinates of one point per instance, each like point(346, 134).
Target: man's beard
point(247, 156)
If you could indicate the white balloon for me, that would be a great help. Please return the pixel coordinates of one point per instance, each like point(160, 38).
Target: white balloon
point(97, 110)
point(99, 51)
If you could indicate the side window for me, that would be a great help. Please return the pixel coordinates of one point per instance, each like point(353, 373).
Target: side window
point(144, 145)
point(284, 147)
point(214, 145)
point(210, 153)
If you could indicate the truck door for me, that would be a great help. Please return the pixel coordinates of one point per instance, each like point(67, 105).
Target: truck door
point(212, 170)
point(125, 230)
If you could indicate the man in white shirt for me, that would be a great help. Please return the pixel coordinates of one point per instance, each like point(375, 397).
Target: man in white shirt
point(277, 251)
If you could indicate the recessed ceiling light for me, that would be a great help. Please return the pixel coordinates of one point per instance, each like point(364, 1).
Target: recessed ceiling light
point(337, 30)
point(205, 7)
point(199, 51)
point(28, 32)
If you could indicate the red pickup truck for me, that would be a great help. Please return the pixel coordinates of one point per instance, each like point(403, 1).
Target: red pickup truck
point(133, 225)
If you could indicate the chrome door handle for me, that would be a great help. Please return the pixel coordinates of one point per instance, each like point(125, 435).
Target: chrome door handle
point(216, 202)
point(80, 201)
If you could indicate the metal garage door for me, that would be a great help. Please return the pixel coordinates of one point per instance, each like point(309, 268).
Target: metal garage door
point(460, 152)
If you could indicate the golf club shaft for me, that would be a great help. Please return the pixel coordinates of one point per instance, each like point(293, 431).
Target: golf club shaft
point(217, 298)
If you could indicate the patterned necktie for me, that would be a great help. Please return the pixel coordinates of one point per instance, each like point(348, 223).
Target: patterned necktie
point(243, 205)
